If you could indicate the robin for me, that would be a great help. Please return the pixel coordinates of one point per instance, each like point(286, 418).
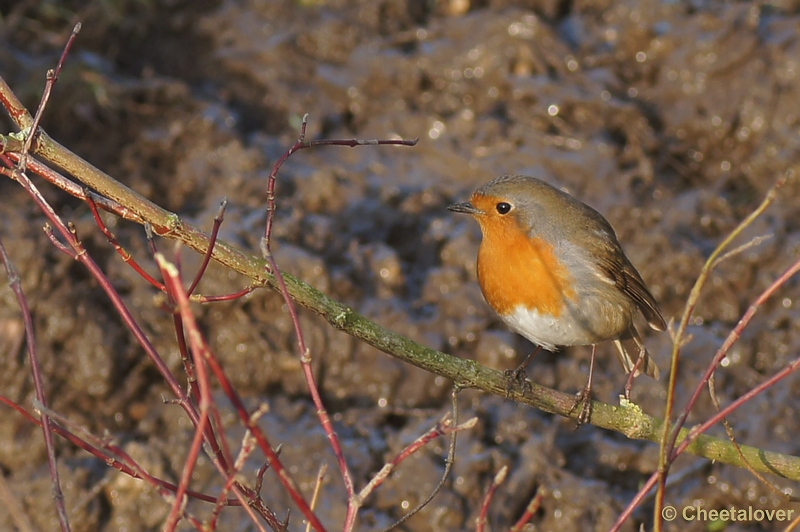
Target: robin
point(553, 270)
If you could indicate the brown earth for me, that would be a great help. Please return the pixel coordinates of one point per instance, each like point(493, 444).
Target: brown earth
point(671, 118)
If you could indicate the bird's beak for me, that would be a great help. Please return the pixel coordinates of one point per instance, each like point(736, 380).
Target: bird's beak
point(466, 208)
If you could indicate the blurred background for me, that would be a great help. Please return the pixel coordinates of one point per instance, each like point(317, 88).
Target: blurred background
point(672, 118)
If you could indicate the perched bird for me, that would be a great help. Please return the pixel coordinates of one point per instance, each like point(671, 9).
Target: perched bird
point(553, 270)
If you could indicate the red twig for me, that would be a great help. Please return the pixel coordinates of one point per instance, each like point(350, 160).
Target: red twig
point(723, 351)
point(126, 257)
point(211, 241)
point(301, 144)
point(68, 186)
point(79, 254)
point(203, 429)
point(305, 353)
point(529, 512)
point(52, 77)
point(227, 297)
point(669, 433)
point(442, 428)
point(734, 335)
point(172, 279)
point(119, 456)
point(111, 455)
point(248, 446)
point(48, 231)
point(499, 478)
point(38, 383)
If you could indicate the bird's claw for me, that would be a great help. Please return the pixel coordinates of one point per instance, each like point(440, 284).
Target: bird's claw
point(517, 380)
point(584, 401)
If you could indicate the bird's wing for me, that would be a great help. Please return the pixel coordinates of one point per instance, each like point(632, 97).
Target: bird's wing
point(618, 269)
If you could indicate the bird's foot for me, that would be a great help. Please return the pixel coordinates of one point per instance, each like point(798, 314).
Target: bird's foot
point(583, 401)
point(517, 380)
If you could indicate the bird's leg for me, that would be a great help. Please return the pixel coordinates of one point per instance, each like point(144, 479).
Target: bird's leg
point(517, 377)
point(584, 399)
point(631, 376)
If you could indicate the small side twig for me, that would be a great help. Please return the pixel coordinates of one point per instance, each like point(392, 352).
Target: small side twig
point(52, 77)
point(530, 511)
point(112, 239)
point(448, 463)
point(732, 437)
point(482, 519)
point(218, 219)
point(323, 470)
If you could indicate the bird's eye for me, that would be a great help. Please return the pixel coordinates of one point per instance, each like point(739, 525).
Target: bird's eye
point(503, 207)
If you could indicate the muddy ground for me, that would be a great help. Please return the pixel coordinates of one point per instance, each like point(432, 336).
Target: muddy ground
point(671, 118)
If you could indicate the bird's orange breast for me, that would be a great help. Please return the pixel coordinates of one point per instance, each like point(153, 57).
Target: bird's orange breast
point(515, 269)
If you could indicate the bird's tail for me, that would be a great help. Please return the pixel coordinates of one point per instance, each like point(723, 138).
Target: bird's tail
point(630, 348)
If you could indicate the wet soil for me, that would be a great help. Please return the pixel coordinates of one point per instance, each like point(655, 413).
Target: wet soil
point(673, 119)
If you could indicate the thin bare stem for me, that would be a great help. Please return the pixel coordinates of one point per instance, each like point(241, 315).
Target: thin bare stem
point(202, 356)
point(721, 353)
point(530, 511)
point(670, 432)
point(226, 297)
point(38, 383)
point(304, 352)
point(52, 78)
point(199, 349)
point(696, 431)
point(69, 252)
point(108, 453)
point(323, 470)
point(70, 187)
point(118, 458)
point(217, 457)
point(126, 257)
point(732, 438)
point(499, 478)
point(218, 219)
point(448, 463)
point(249, 421)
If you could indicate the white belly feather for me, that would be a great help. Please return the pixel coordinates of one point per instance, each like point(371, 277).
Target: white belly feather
point(549, 332)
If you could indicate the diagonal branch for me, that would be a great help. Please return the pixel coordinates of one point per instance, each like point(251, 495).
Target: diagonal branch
point(626, 419)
